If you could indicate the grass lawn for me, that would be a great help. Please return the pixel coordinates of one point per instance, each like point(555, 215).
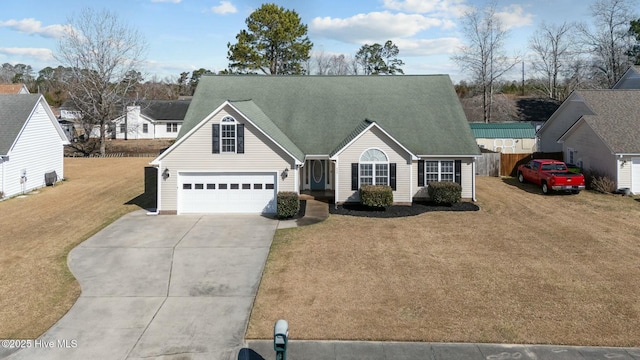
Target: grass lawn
point(38, 231)
point(526, 268)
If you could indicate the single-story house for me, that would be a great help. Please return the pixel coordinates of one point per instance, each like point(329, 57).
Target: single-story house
point(245, 138)
point(507, 138)
point(152, 119)
point(13, 89)
point(31, 144)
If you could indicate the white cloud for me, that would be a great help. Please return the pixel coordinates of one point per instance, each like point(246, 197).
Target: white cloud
point(363, 28)
point(166, 1)
point(225, 7)
point(35, 53)
point(454, 7)
point(513, 16)
point(33, 26)
point(427, 47)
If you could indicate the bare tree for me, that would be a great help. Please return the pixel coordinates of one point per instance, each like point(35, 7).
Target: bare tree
point(609, 39)
point(102, 53)
point(551, 46)
point(483, 55)
point(321, 63)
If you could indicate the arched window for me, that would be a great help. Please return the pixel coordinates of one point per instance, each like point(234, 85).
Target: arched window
point(374, 168)
point(228, 135)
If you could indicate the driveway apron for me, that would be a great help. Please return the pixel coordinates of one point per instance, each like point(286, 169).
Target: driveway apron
point(165, 287)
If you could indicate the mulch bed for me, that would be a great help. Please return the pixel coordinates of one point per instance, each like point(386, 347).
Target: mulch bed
point(417, 208)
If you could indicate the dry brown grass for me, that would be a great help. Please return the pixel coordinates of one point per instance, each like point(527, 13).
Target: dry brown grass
point(36, 287)
point(526, 268)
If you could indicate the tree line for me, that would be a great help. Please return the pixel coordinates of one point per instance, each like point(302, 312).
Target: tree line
point(562, 57)
point(101, 59)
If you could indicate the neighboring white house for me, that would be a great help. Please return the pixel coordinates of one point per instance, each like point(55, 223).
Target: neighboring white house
point(152, 119)
point(31, 144)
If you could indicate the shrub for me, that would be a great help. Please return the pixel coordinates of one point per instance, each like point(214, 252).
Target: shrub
point(376, 195)
point(288, 204)
point(598, 181)
point(444, 192)
point(603, 184)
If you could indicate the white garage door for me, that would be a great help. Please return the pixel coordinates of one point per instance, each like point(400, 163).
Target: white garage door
point(227, 193)
point(635, 175)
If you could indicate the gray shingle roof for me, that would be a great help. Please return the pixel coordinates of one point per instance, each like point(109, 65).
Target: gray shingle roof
point(617, 119)
point(318, 113)
point(14, 112)
point(165, 109)
point(503, 130)
point(253, 112)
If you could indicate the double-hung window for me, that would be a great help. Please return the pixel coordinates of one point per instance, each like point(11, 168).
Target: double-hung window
point(228, 135)
point(374, 168)
point(438, 170)
point(172, 127)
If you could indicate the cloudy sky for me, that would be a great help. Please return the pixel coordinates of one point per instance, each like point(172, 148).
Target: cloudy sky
point(184, 35)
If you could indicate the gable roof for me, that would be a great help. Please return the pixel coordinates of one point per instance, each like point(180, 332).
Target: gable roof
point(15, 110)
point(630, 79)
point(13, 88)
point(262, 121)
point(503, 130)
point(317, 113)
point(616, 118)
point(165, 109)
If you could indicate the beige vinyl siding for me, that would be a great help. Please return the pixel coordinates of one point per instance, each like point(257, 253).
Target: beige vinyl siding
point(39, 150)
point(591, 151)
point(195, 154)
point(466, 173)
point(568, 113)
point(374, 138)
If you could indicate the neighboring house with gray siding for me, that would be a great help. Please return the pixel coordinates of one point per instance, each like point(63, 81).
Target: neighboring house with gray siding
point(245, 138)
point(31, 144)
point(598, 130)
point(630, 79)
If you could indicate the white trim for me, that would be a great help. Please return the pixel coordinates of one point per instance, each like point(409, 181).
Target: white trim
point(473, 180)
point(410, 180)
point(337, 181)
point(335, 156)
point(316, 157)
point(440, 170)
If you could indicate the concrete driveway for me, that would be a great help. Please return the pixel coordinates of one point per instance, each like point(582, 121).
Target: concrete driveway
point(167, 287)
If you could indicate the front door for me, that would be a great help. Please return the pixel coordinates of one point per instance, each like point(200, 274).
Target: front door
point(317, 174)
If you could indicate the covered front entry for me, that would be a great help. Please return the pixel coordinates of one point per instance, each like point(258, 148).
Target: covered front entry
point(318, 175)
point(210, 192)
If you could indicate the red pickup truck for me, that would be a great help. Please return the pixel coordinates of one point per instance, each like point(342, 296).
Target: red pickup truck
point(551, 175)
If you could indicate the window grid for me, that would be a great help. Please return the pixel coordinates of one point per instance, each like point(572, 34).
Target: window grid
point(438, 171)
point(228, 137)
point(172, 127)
